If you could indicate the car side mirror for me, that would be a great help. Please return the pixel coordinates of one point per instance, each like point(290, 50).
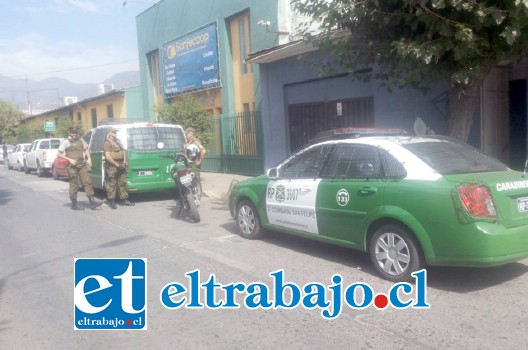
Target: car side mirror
point(273, 173)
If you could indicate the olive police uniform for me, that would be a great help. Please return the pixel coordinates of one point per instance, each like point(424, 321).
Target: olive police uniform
point(74, 149)
point(115, 176)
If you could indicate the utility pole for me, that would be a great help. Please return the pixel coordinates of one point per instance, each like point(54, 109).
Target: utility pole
point(28, 95)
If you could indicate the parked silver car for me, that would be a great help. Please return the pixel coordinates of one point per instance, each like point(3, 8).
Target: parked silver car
point(15, 159)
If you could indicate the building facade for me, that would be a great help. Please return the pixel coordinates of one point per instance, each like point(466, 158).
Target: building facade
point(110, 107)
point(243, 57)
point(298, 103)
point(200, 47)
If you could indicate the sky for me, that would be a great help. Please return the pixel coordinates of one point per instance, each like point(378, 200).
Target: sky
point(84, 41)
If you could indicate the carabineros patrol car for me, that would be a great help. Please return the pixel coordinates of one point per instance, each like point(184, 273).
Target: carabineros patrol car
point(409, 201)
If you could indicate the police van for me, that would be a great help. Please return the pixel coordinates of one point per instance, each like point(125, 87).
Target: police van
point(150, 148)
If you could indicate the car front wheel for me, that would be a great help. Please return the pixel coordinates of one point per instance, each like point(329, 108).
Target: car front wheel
point(248, 221)
point(395, 253)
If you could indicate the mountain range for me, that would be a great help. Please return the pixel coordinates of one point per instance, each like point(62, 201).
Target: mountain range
point(50, 93)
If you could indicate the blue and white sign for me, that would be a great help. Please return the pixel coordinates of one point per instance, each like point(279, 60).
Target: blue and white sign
point(110, 294)
point(191, 61)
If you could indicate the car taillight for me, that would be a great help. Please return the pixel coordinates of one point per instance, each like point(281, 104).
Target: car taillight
point(44, 156)
point(477, 200)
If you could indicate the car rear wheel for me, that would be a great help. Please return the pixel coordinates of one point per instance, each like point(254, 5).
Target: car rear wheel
point(395, 253)
point(248, 221)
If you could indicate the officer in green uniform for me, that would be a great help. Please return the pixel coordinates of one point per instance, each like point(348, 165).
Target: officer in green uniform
point(75, 151)
point(116, 165)
point(190, 136)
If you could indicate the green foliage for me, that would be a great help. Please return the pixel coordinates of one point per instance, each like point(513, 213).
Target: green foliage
point(416, 42)
point(8, 120)
point(62, 126)
point(26, 133)
point(188, 111)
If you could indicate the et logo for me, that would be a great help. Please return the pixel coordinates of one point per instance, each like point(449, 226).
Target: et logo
point(110, 294)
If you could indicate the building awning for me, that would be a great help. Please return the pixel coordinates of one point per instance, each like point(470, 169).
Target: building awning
point(291, 49)
point(277, 53)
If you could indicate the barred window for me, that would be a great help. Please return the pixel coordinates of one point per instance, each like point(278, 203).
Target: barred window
point(147, 138)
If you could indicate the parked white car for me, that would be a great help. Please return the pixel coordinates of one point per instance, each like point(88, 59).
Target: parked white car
point(41, 155)
point(15, 159)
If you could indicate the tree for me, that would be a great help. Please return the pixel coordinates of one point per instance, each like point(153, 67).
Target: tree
point(63, 126)
point(412, 43)
point(188, 111)
point(26, 133)
point(8, 120)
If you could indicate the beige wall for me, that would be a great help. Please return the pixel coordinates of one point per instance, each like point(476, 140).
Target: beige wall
point(242, 81)
point(83, 109)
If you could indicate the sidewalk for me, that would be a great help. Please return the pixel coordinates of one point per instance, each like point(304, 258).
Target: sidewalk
point(216, 185)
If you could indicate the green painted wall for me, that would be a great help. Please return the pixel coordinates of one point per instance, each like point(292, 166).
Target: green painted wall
point(134, 104)
point(170, 19)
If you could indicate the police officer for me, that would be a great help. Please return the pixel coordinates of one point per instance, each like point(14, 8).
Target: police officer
point(116, 165)
point(190, 136)
point(75, 151)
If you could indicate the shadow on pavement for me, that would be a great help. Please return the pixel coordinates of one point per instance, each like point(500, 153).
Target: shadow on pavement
point(452, 279)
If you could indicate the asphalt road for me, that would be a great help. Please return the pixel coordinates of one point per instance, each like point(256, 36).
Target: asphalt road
point(40, 236)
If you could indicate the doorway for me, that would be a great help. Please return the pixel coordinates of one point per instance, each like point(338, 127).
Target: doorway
point(518, 124)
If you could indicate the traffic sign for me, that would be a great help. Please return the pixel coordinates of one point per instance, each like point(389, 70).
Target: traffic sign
point(49, 125)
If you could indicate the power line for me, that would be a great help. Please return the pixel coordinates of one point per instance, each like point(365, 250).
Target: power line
point(67, 70)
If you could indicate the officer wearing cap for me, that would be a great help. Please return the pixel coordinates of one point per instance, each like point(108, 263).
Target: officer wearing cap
point(116, 165)
point(75, 151)
point(190, 136)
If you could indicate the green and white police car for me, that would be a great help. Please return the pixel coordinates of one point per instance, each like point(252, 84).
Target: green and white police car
point(409, 201)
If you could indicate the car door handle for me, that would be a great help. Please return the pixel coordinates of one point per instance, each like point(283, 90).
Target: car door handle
point(368, 190)
point(305, 188)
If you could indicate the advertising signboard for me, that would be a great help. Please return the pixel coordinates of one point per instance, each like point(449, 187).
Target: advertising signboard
point(191, 62)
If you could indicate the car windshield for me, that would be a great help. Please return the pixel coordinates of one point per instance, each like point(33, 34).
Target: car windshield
point(448, 158)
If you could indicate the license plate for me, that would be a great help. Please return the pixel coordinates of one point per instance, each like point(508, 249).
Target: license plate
point(522, 204)
point(186, 180)
point(145, 173)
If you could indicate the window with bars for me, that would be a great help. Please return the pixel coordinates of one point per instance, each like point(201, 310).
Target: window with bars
point(147, 139)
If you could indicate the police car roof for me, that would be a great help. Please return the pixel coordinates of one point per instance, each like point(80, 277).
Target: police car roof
point(351, 133)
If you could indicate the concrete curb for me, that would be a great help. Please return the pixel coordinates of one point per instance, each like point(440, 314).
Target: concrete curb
point(217, 185)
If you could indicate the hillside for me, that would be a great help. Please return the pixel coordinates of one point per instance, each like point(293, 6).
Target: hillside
point(50, 93)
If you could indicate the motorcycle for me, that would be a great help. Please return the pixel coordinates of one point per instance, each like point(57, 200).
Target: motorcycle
point(190, 190)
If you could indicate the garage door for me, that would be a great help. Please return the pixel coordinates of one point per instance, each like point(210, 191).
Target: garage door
point(307, 119)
